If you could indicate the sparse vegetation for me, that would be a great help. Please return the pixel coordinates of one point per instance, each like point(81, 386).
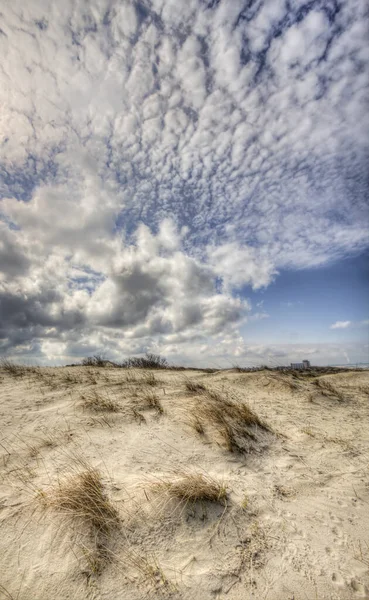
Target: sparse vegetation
point(81, 498)
point(192, 487)
point(13, 369)
point(153, 402)
point(131, 377)
point(364, 389)
point(194, 387)
point(95, 361)
point(149, 361)
point(326, 388)
point(175, 526)
point(99, 403)
point(138, 416)
point(150, 570)
point(362, 552)
point(150, 379)
point(234, 423)
point(286, 380)
point(245, 502)
point(69, 379)
point(196, 423)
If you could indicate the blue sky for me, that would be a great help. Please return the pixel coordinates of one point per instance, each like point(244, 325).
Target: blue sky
point(184, 178)
point(326, 306)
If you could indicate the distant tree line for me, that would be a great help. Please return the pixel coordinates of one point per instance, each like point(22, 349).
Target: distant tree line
point(149, 361)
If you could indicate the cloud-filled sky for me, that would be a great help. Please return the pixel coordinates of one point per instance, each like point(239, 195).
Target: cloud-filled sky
point(164, 165)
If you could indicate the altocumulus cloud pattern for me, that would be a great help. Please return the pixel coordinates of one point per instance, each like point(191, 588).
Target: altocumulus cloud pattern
point(156, 157)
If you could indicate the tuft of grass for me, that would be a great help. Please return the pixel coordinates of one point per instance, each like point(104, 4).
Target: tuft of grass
point(153, 402)
point(131, 376)
point(308, 431)
point(98, 403)
point(150, 379)
point(197, 424)
point(82, 499)
point(82, 496)
point(362, 553)
point(288, 380)
point(138, 416)
point(327, 389)
point(191, 488)
point(91, 377)
point(150, 571)
point(194, 387)
point(364, 389)
point(245, 502)
point(234, 422)
point(12, 369)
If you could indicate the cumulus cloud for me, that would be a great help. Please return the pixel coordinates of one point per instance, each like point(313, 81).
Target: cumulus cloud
point(340, 325)
point(157, 158)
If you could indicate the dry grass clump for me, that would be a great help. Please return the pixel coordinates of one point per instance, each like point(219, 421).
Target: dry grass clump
point(90, 376)
point(98, 403)
point(191, 488)
point(153, 402)
point(151, 572)
point(327, 389)
point(364, 389)
point(131, 377)
point(197, 424)
point(194, 387)
point(14, 370)
point(287, 381)
point(82, 499)
point(138, 416)
point(150, 379)
point(68, 378)
point(82, 496)
point(234, 423)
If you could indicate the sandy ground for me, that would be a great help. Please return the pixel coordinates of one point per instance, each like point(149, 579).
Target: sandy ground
point(295, 525)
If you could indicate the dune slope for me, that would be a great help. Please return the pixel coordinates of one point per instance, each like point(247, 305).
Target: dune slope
point(127, 484)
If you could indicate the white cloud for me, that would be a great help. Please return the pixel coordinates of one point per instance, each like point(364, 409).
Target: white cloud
point(340, 325)
point(236, 133)
point(241, 265)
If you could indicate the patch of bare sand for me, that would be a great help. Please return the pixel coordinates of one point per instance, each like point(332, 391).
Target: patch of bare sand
point(291, 521)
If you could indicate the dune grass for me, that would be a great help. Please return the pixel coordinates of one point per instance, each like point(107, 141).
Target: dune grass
point(194, 387)
point(81, 499)
point(15, 370)
point(151, 401)
point(150, 379)
point(147, 566)
point(98, 403)
point(235, 425)
point(325, 388)
point(191, 488)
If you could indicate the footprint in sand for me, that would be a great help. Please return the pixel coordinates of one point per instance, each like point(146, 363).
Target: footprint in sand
point(334, 518)
point(361, 591)
point(338, 580)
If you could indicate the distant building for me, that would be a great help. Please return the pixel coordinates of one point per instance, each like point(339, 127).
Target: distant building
point(305, 364)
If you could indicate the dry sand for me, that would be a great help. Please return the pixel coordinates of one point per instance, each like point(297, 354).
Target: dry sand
point(295, 525)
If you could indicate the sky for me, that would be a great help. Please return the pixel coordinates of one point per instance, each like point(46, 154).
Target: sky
point(184, 178)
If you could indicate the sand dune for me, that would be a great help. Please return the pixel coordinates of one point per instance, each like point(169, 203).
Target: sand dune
point(127, 484)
